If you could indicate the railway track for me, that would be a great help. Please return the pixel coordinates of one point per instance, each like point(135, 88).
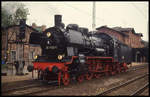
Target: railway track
point(21, 88)
point(125, 84)
point(32, 89)
point(56, 87)
point(141, 90)
point(12, 85)
point(44, 89)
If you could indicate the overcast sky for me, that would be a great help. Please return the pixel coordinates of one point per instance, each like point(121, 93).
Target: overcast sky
point(124, 14)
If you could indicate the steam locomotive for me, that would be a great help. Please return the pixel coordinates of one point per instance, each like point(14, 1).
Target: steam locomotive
point(75, 53)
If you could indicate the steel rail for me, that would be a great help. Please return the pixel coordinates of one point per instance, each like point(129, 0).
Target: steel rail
point(20, 88)
point(139, 91)
point(33, 86)
point(123, 84)
point(40, 91)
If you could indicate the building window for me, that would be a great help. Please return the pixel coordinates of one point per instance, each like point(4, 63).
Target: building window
point(31, 55)
point(13, 56)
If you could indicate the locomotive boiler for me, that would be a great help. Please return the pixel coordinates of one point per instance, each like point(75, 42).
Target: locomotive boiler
point(71, 41)
point(74, 53)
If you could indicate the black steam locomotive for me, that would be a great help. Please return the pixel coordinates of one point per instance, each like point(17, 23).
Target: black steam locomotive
point(61, 45)
point(74, 40)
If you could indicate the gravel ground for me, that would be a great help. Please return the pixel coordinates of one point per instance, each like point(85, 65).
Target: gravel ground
point(92, 87)
point(8, 79)
point(14, 78)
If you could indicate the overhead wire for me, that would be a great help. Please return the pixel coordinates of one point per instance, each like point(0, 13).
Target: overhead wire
point(139, 10)
point(87, 13)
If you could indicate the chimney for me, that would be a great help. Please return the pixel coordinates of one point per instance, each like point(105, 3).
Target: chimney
point(58, 20)
point(34, 25)
point(22, 22)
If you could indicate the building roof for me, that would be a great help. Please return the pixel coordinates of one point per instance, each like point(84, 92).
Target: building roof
point(39, 28)
point(121, 30)
point(32, 28)
point(18, 26)
point(112, 29)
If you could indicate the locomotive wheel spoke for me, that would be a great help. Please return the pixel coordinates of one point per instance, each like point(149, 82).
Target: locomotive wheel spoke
point(80, 78)
point(66, 79)
point(89, 76)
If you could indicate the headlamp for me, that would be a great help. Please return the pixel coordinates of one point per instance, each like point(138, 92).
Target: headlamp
point(60, 57)
point(48, 34)
point(35, 57)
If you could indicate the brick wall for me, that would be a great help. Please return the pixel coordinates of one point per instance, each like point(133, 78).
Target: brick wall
point(133, 40)
point(113, 33)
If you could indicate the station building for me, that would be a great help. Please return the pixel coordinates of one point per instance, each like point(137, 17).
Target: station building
point(129, 37)
point(9, 42)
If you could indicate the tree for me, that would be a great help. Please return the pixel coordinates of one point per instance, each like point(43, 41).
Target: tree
point(12, 13)
point(6, 18)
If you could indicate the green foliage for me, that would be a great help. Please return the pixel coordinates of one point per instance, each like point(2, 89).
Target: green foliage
point(6, 19)
point(12, 13)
